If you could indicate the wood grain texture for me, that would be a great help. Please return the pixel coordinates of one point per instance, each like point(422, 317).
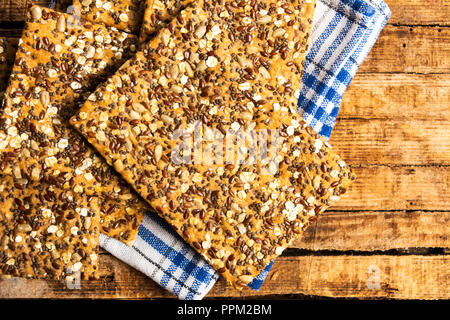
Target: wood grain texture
point(14, 10)
point(410, 49)
point(377, 276)
point(419, 12)
point(392, 141)
point(397, 96)
point(403, 119)
point(10, 33)
point(398, 188)
point(377, 231)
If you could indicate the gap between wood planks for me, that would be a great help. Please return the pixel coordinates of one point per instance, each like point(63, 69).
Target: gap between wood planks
point(296, 252)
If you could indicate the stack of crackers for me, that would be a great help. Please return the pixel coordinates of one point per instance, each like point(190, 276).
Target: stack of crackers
point(107, 110)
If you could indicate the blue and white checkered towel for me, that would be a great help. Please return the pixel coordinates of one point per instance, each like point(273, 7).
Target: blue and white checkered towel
point(343, 33)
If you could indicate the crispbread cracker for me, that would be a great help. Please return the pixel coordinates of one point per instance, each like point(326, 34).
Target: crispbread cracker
point(125, 15)
point(46, 232)
point(220, 66)
point(56, 66)
point(157, 15)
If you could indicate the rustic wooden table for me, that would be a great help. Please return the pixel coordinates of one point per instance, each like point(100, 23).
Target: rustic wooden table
point(389, 237)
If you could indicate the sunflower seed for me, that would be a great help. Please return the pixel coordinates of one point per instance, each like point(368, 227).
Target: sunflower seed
point(61, 24)
point(36, 13)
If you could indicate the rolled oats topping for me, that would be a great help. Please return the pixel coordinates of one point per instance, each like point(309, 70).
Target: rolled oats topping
point(41, 155)
point(47, 232)
point(181, 129)
point(125, 15)
point(157, 15)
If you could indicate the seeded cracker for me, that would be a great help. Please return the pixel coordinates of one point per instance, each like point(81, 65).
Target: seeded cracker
point(8, 47)
point(157, 15)
point(47, 233)
point(45, 164)
point(125, 15)
point(50, 218)
point(231, 66)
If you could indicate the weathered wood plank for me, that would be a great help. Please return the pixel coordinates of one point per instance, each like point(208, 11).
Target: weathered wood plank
point(419, 12)
point(398, 188)
point(395, 119)
point(397, 96)
point(410, 49)
point(12, 10)
point(377, 231)
point(410, 277)
point(10, 33)
point(393, 142)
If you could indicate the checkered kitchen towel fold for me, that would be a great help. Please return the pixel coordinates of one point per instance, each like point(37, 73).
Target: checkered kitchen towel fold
point(343, 33)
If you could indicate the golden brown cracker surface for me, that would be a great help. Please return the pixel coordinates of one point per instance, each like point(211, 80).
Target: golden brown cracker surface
point(125, 15)
point(222, 68)
point(57, 64)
